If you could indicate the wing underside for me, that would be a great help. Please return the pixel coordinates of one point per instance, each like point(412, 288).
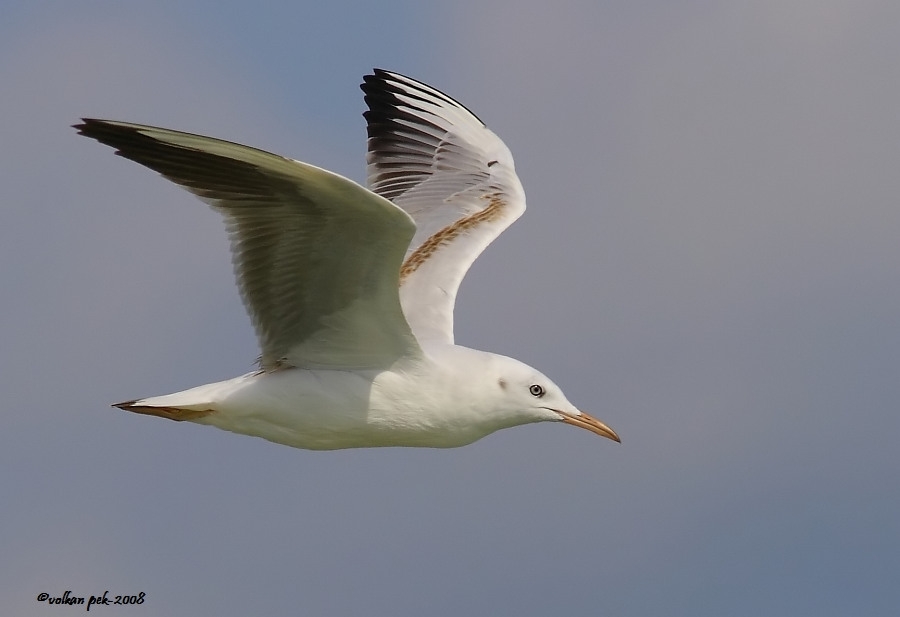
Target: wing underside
point(437, 161)
point(316, 256)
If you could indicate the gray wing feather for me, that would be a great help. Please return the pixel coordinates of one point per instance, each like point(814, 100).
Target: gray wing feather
point(316, 256)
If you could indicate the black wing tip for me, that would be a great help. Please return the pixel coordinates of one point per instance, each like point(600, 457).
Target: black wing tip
point(87, 126)
point(380, 75)
point(125, 139)
point(381, 87)
point(91, 125)
point(107, 132)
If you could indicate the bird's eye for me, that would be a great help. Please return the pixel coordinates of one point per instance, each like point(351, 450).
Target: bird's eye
point(536, 390)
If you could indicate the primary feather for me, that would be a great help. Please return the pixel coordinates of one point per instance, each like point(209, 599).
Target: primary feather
point(437, 161)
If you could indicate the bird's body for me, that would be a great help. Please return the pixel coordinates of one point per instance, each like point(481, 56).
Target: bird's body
point(351, 290)
point(432, 402)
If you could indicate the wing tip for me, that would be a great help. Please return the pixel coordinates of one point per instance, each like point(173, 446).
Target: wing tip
point(115, 134)
point(87, 126)
point(382, 86)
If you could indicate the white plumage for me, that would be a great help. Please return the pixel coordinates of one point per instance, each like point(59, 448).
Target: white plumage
point(350, 290)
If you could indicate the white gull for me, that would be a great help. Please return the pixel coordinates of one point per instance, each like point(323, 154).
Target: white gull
point(351, 290)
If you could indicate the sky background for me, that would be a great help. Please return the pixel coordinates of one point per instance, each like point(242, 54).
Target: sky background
point(710, 263)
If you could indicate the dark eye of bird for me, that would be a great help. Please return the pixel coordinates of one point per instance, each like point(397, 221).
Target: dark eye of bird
point(536, 390)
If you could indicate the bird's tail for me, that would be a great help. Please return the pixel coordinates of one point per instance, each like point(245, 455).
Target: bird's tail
point(186, 405)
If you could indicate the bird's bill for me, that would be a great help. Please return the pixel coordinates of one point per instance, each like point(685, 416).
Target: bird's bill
point(590, 423)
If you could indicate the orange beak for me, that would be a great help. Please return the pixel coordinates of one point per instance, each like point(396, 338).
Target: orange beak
point(590, 423)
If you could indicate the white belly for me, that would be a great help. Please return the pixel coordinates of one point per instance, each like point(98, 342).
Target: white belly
point(331, 409)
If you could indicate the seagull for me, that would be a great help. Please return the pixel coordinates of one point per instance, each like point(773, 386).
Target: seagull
point(350, 289)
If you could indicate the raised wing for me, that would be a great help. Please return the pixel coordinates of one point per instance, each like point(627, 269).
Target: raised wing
point(435, 159)
point(316, 256)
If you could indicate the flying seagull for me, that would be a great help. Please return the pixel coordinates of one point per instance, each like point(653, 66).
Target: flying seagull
point(350, 289)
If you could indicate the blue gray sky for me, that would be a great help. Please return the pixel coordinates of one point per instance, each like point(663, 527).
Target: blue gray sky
point(710, 263)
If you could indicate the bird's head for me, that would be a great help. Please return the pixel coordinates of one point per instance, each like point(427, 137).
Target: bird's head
point(530, 396)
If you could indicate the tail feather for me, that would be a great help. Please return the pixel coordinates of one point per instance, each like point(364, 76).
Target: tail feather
point(191, 404)
point(179, 414)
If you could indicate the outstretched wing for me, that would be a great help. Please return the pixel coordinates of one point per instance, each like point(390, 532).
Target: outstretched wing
point(316, 256)
point(435, 159)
